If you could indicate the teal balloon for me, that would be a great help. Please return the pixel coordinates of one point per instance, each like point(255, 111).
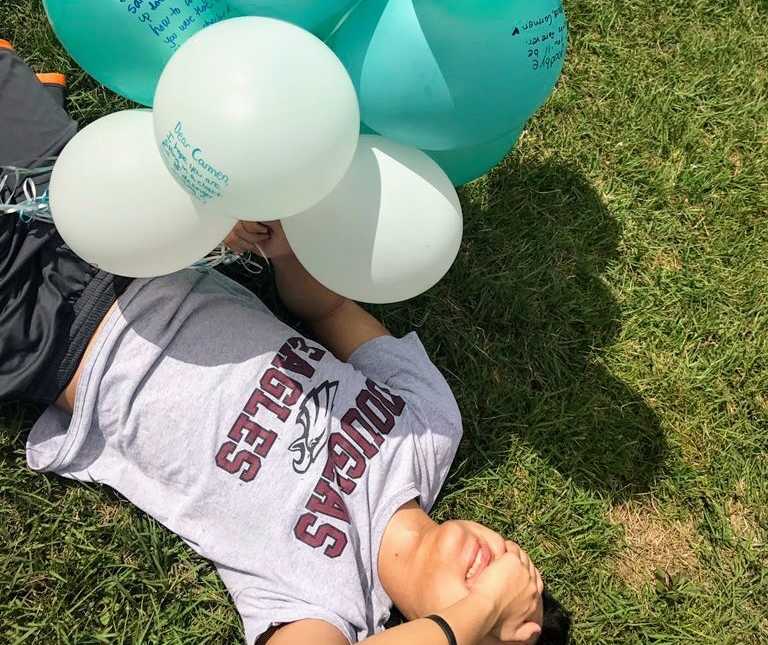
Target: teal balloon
point(124, 44)
point(317, 16)
point(446, 74)
point(463, 165)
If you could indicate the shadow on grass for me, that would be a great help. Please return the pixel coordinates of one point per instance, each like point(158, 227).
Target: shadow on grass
point(519, 325)
point(525, 314)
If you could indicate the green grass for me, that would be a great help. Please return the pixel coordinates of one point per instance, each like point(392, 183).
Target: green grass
point(605, 329)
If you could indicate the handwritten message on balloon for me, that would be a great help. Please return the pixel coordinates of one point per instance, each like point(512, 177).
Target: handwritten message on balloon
point(126, 44)
point(171, 20)
point(546, 38)
point(188, 163)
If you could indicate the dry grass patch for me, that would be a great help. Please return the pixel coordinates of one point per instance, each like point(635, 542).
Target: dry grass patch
point(654, 543)
point(667, 261)
point(743, 522)
point(736, 162)
point(110, 514)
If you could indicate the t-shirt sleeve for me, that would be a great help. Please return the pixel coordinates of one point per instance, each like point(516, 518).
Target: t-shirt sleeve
point(403, 366)
point(259, 614)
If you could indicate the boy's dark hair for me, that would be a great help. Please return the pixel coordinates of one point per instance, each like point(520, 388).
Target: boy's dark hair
point(555, 630)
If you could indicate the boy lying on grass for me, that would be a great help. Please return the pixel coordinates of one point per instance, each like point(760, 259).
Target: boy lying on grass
point(304, 470)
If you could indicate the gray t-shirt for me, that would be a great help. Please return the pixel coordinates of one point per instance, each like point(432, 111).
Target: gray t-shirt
point(279, 463)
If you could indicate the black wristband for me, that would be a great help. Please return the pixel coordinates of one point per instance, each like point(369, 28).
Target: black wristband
point(445, 627)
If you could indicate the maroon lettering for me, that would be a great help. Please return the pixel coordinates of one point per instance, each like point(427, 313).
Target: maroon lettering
point(340, 451)
point(259, 438)
point(392, 402)
point(276, 383)
point(260, 399)
point(323, 534)
point(348, 452)
point(299, 344)
point(234, 465)
point(384, 420)
point(288, 359)
point(326, 501)
point(350, 423)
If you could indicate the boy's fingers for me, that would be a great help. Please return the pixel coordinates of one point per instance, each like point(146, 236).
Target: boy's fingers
point(525, 559)
point(247, 236)
point(253, 228)
point(250, 233)
point(533, 573)
point(233, 243)
point(527, 632)
point(250, 240)
point(514, 549)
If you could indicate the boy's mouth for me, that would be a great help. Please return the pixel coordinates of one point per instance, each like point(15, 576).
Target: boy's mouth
point(482, 559)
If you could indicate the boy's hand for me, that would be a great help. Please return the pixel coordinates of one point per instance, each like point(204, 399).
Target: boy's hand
point(512, 583)
point(247, 237)
point(276, 246)
point(259, 237)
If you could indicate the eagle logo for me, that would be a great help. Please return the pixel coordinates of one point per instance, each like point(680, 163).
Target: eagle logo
point(314, 418)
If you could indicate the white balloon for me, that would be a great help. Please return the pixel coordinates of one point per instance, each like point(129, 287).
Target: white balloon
point(116, 205)
point(388, 232)
point(257, 118)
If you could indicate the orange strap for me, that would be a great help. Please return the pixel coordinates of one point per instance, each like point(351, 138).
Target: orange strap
point(4, 44)
point(52, 78)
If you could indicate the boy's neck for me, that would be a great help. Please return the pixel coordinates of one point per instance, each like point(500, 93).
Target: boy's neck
point(398, 556)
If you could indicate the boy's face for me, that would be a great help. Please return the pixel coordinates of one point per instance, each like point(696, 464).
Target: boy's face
point(451, 556)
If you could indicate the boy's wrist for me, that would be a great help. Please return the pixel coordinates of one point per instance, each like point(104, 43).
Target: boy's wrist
point(472, 618)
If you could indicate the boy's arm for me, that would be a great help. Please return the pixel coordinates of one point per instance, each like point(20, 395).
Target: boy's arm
point(338, 323)
point(470, 619)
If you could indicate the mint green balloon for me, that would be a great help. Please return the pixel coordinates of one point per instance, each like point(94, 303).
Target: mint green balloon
point(317, 16)
point(124, 44)
point(463, 165)
point(447, 74)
